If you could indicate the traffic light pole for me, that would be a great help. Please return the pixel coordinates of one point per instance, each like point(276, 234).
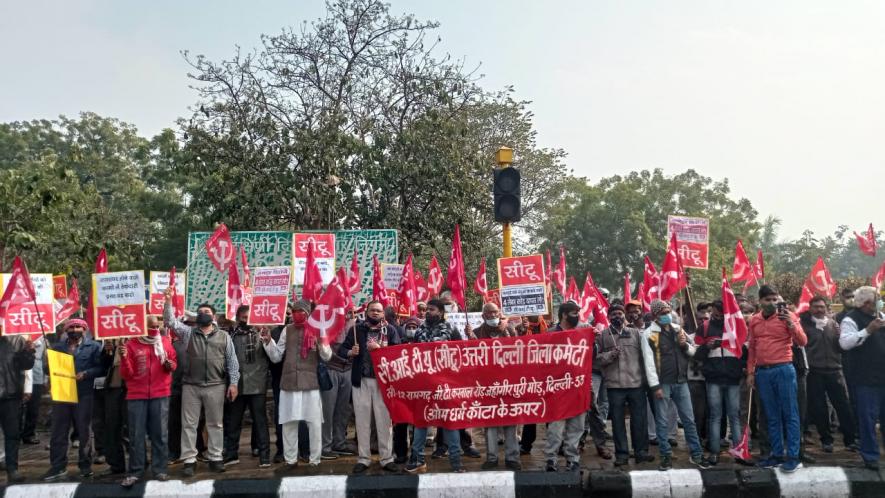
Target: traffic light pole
point(504, 157)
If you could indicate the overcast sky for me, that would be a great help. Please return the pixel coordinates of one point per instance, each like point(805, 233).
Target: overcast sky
point(784, 98)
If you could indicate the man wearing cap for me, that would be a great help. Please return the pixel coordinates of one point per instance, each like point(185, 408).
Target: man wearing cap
point(299, 384)
point(211, 364)
point(16, 357)
point(88, 366)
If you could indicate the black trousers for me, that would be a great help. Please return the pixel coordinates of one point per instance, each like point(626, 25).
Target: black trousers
point(233, 424)
point(618, 399)
point(10, 420)
point(63, 416)
point(31, 413)
point(115, 416)
point(278, 428)
point(401, 441)
point(98, 413)
point(830, 384)
point(529, 434)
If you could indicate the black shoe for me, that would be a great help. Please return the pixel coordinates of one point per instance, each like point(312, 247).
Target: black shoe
point(551, 466)
point(329, 455)
point(264, 463)
point(189, 469)
point(673, 443)
point(713, 461)
point(489, 465)
point(344, 451)
point(853, 447)
point(828, 448)
point(805, 458)
point(279, 458)
point(513, 465)
point(391, 467)
point(666, 463)
point(573, 467)
point(129, 481)
point(872, 465)
point(416, 468)
point(472, 453)
point(644, 458)
point(86, 473)
point(217, 466)
point(700, 462)
point(30, 440)
point(400, 460)
point(231, 460)
point(360, 468)
point(525, 451)
point(438, 453)
point(53, 475)
point(13, 477)
point(621, 461)
point(653, 442)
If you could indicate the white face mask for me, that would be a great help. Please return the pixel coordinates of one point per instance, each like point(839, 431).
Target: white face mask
point(493, 322)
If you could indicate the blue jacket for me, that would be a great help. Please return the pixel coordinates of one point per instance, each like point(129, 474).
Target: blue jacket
point(87, 358)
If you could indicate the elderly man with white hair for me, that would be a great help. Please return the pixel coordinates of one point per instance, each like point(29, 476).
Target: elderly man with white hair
point(862, 335)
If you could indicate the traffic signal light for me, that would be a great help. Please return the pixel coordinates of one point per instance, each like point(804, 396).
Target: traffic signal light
point(506, 192)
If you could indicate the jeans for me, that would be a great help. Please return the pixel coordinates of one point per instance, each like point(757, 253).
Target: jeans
point(233, 424)
point(63, 415)
point(681, 396)
point(451, 437)
point(565, 433)
point(652, 411)
point(10, 420)
point(778, 393)
point(336, 410)
point(716, 393)
point(830, 384)
point(511, 446)
point(635, 399)
point(870, 402)
point(148, 417)
point(31, 413)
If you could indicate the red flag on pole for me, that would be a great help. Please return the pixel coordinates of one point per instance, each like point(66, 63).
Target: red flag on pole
point(329, 316)
point(408, 291)
point(672, 273)
point(879, 277)
point(379, 290)
point(760, 266)
point(588, 299)
point(101, 266)
point(651, 282)
point(434, 277)
point(356, 277)
point(220, 248)
point(480, 285)
point(71, 304)
point(818, 283)
point(313, 279)
point(741, 271)
point(559, 275)
point(177, 301)
point(421, 287)
point(455, 278)
point(867, 242)
point(735, 334)
point(234, 291)
point(627, 287)
point(20, 289)
point(572, 293)
point(247, 274)
point(742, 450)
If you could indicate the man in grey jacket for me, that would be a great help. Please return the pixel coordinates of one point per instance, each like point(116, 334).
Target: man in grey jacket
point(16, 356)
point(626, 360)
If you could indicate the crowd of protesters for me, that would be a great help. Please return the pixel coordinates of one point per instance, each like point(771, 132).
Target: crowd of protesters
point(187, 384)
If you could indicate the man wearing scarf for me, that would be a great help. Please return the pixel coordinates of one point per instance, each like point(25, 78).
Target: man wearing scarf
point(252, 392)
point(211, 363)
point(88, 366)
point(371, 334)
point(146, 365)
point(299, 385)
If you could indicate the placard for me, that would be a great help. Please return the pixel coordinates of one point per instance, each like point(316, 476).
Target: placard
point(522, 285)
point(119, 304)
point(159, 282)
point(62, 376)
point(25, 318)
point(692, 239)
point(60, 287)
point(458, 320)
point(270, 291)
point(323, 253)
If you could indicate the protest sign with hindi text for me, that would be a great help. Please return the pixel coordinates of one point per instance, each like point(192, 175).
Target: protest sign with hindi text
point(323, 253)
point(692, 240)
point(119, 304)
point(270, 292)
point(159, 282)
point(487, 382)
point(24, 317)
point(522, 285)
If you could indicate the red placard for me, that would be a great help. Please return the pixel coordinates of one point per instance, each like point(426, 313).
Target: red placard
point(59, 287)
point(521, 270)
point(487, 382)
point(24, 318)
point(692, 239)
point(158, 301)
point(122, 321)
point(268, 310)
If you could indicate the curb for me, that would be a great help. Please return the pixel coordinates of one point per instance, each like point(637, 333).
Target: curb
point(678, 483)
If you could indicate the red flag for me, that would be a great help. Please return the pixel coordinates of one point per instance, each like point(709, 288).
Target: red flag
point(177, 301)
point(627, 287)
point(760, 265)
point(356, 277)
point(742, 450)
point(741, 271)
point(329, 317)
point(588, 299)
point(20, 289)
point(71, 304)
point(646, 306)
point(101, 266)
point(481, 286)
point(867, 242)
point(548, 270)
point(879, 277)
point(234, 291)
point(421, 287)
point(818, 283)
point(572, 293)
point(247, 275)
point(672, 273)
point(379, 290)
point(735, 334)
point(220, 248)
point(559, 278)
point(651, 283)
point(313, 279)
point(407, 290)
point(434, 277)
point(455, 278)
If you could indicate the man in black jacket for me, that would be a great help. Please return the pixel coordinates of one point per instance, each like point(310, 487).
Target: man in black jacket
point(16, 356)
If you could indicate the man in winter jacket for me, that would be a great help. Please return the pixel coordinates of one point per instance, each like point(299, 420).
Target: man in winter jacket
point(147, 364)
point(16, 356)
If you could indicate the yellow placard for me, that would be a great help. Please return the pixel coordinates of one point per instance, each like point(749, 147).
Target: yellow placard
point(62, 377)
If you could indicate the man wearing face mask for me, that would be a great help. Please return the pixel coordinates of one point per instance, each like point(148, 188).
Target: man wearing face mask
point(251, 392)
point(672, 349)
point(146, 364)
point(863, 335)
point(633, 314)
point(723, 373)
point(770, 368)
point(337, 407)
point(371, 334)
point(401, 431)
point(88, 365)
point(565, 433)
point(626, 362)
point(300, 387)
point(211, 363)
point(276, 374)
